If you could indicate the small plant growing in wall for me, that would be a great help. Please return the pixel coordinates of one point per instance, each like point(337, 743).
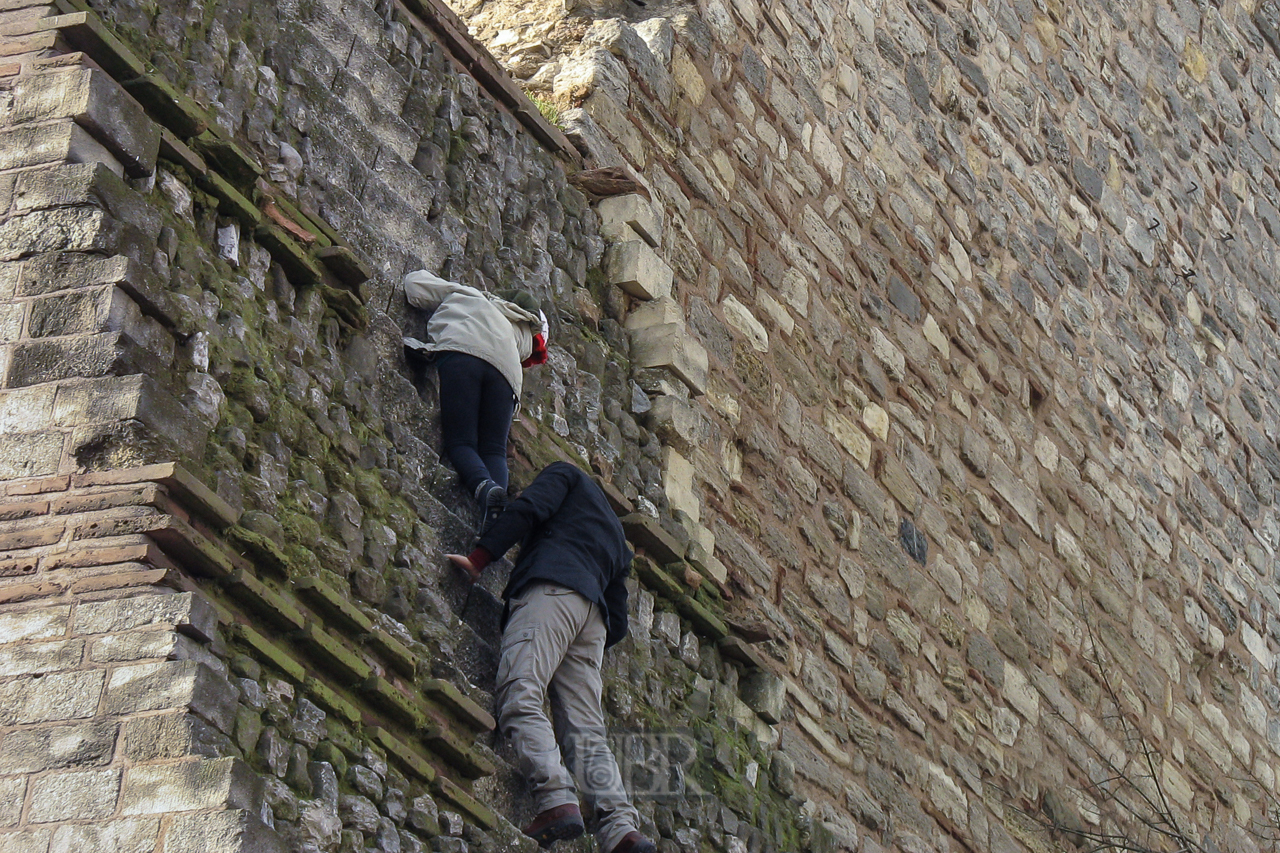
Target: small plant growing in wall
point(549, 109)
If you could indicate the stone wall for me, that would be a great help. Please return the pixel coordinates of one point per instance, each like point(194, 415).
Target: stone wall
point(930, 384)
point(227, 621)
point(985, 295)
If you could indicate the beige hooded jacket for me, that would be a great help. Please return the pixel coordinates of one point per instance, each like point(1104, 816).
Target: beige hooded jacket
point(474, 322)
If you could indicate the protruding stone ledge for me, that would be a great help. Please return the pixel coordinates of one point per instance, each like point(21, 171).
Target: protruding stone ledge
point(636, 268)
point(623, 218)
point(98, 104)
point(669, 346)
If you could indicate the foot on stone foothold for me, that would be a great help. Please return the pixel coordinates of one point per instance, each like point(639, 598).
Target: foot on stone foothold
point(556, 824)
point(634, 842)
point(492, 500)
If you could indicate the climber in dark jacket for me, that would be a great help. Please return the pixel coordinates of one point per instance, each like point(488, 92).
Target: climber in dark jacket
point(566, 602)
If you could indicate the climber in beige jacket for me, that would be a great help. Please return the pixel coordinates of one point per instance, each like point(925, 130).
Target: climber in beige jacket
point(480, 342)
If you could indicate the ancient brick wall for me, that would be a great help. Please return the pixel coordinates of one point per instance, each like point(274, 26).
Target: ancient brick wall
point(931, 382)
point(227, 623)
point(985, 295)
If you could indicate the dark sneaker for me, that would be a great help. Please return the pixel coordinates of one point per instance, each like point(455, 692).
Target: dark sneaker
point(558, 824)
point(492, 500)
point(634, 842)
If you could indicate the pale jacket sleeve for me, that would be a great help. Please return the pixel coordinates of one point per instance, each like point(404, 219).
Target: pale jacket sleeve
point(424, 289)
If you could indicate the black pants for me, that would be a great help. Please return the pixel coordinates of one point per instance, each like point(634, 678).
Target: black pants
point(476, 406)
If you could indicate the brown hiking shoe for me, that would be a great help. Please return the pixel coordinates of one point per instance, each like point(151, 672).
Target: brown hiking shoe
point(634, 842)
point(558, 824)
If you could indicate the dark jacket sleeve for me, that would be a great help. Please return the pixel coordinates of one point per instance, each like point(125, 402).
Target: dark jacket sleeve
point(523, 515)
point(615, 600)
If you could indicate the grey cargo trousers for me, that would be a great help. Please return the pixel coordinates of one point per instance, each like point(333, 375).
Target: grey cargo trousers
point(555, 639)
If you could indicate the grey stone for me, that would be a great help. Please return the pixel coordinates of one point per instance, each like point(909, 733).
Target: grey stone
point(765, 694)
point(74, 795)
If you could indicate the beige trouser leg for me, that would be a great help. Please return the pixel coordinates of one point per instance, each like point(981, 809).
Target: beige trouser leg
point(555, 639)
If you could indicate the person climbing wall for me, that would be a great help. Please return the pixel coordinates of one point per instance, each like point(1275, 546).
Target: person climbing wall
point(480, 342)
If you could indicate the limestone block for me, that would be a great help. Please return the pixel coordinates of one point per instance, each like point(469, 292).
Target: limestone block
point(589, 137)
point(766, 694)
point(636, 268)
point(876, 420)
point(625, 217)
point(1013, 489)
point(687, 77)
point(777, 311)
point(849, 436)
point(57, 696)
point(116, 835)
point(77, 795)
point(35, 750)
point(190, 613)
point(26, 410)
point(12, 791)
point(701, 554)
point(676, 423)
point(63, 142)
point(96, 103)
point(232, 831)
point(678, 483)
point(656, 312)
point(670, 346)
point(740, 317)
point(189, 785)
point(614, 120)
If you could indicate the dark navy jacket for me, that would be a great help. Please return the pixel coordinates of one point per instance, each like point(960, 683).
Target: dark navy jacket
point(569, 535)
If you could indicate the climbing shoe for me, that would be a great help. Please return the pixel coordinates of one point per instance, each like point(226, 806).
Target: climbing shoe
point(491, 499)
point(558, 824)
point(634, 842)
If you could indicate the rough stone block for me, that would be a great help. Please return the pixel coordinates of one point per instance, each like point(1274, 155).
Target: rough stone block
point(170, 685)
point(72, 358)
point(636, 268)
point(26, 410)
point(39, 658)
point(77, 795)
point(85, 184)
point(13, 791)
point(26, 841)
point(54, 748)
point(678, 483)
point(766, 694)
point(138, 645)
point(190, 786)
point(677, 423)
point(185, 610)
point(43, 624)
point(131, 835)
point(164, 736)
point(98, 104)
point(11, 320)
point(69, 229)
point(57, 696)
point(234, 831)
point(64, 142)
point(670, 346)
point(625, 217)
point(656, 312)
point(30, 454)
point(740, 317)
